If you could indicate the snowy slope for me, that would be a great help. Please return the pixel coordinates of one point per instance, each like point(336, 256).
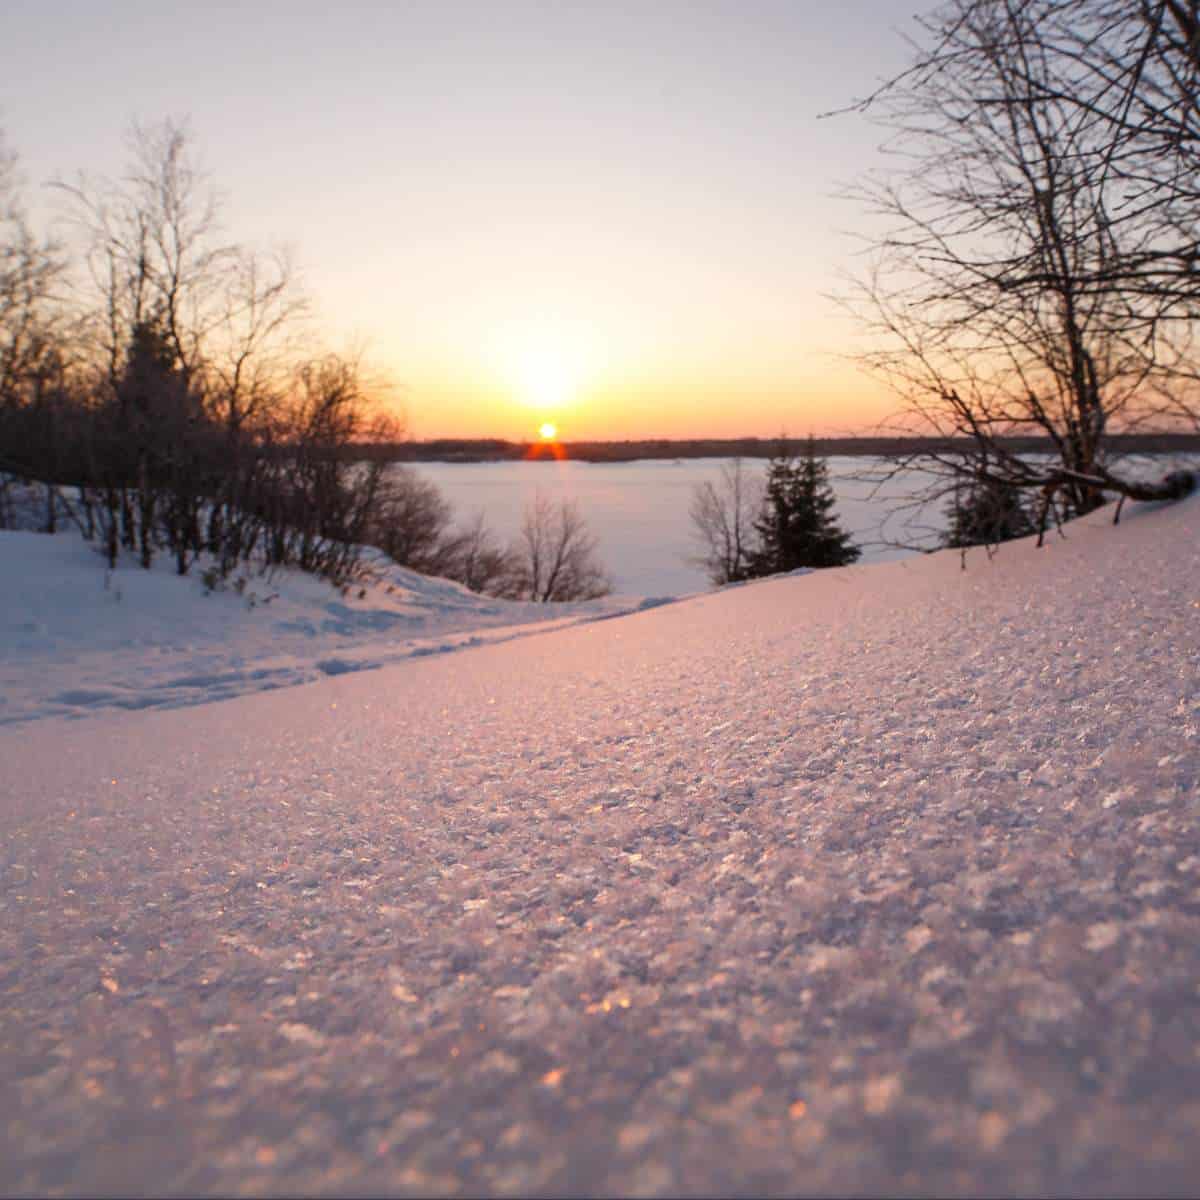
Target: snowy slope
point(883, 879)
point(76, 638)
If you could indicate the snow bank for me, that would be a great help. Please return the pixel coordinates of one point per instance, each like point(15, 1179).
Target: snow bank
point(876, 880)
point(76, 637)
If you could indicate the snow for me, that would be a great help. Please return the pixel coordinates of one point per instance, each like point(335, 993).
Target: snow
point(76, 637)
point(879, 879)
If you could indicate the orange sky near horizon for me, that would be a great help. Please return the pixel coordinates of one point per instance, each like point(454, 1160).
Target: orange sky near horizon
point(835, 405)
point(618, 360)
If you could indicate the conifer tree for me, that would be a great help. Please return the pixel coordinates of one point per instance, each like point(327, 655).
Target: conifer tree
point(986, 513)
point(797, 526)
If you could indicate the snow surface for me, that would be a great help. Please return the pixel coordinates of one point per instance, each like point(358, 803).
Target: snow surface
point(76, 638)
point(880, 879)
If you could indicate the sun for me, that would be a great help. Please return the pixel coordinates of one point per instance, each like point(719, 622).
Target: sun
point(548, 431)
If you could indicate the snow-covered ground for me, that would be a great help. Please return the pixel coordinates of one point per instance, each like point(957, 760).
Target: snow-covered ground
point(876, 880)
point(76, 638)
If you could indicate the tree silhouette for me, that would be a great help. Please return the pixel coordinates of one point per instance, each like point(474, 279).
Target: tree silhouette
point(797, 526)
point(723, 515)
point(554, 558)
point(1033, 270)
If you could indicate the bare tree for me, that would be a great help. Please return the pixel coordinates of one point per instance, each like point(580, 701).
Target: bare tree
point(1020, 284)
point(220, 431)
point(35, 442)
point(320, 497)
point(1128, 71)
point(156, 255)
point(410, 521)
point(554, 558)
point(471, 555)
point(30, 269)
point(152, 249)
point(228, 318)
point(256, 333)
point(723, 516)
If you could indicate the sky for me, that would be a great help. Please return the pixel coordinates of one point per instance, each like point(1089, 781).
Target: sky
point(622, 219)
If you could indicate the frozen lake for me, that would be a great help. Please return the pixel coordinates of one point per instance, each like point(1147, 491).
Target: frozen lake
point(639, 510)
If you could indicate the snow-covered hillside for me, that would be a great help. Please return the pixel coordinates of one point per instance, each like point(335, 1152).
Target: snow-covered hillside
point(882, 879)
point(76, 638)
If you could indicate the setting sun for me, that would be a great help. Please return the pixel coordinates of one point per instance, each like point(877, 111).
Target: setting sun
point(548, 431)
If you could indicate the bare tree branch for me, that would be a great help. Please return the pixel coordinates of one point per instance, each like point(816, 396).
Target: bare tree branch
point(1035, 276)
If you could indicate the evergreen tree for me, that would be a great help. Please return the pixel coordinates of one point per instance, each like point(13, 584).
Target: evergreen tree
point(797, 526)
point(984, 514)
point(154, 431)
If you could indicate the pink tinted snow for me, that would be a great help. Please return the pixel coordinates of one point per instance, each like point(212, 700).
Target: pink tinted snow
point(876, 879)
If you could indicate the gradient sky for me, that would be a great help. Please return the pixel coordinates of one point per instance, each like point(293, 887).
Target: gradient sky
point(620, 217)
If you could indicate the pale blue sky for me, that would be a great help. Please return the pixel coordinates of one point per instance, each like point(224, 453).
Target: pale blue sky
point(643, 190)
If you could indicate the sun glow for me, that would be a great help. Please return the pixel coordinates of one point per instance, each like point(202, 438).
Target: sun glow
point(547, 363)
point(548, 381)
point(548, 432)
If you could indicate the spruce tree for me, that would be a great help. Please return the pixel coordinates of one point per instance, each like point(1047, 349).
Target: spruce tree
point(772, 524)
point(797, 526)
point(984, 514)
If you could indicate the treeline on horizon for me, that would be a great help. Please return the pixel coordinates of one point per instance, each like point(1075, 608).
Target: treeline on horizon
point(632, 450)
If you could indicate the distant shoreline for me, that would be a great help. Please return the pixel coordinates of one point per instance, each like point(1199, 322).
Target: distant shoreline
point(485, 450)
